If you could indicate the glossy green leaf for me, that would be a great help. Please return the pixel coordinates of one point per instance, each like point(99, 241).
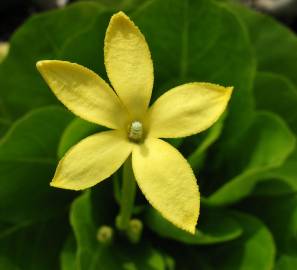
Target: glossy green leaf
point(280, 214)
point(266, 146)
point(286, 262)
point(213, 227)
point(33, 247)
point(198, 155)
point(255, 249)
point(119, 4)
point(89, 53)
point(282, 180)
point(68, 261)
point(41, 37)
point(27, 163)
point(93, 255)
point(276, 93)
point(275, 45)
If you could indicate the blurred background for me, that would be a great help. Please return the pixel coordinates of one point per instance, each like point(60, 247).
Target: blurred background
point(14, 12)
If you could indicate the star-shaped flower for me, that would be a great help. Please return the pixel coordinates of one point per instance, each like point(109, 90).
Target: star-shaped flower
point(162, 173)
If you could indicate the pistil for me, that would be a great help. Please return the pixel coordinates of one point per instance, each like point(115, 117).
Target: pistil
point(135, 132)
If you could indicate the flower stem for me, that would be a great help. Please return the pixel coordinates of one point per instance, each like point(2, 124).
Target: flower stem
point(127, 196)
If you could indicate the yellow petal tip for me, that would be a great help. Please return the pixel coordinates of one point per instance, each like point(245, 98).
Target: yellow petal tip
point(119, 15)
point(192, 230)
point(39, 64)
point(59, 184)
point(121, 18)
point(55, 184)
point(43, 63)
point(230, 89)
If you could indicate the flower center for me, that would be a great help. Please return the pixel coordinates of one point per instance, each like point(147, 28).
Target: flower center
point(135, 132)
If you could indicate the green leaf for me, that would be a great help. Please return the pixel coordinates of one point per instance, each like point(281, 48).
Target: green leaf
point(282, 180)
point(34, 247)
point(266, 32)
point(6, 264)
point(89, 53)
point(280, 215)
point(255, 249)
point(93, 255)
point(119, 4)
point(27, 164)
point(68, 254)
point(266, 146)
point(211, 135)
point(286, 262)
point(276, 93)
point(77, 130)
point(213, 227)
point(41, 37)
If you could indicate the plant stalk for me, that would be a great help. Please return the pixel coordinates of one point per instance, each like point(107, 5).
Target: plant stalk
point(127, 196)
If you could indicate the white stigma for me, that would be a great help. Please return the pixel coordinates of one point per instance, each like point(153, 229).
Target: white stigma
point(135, 131)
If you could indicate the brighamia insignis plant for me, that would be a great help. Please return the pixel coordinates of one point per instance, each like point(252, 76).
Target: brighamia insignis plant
point(163, 175)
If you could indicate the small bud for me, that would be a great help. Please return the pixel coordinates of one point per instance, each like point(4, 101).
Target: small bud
point(119, 223)
point(134, 230)
point(105, 235)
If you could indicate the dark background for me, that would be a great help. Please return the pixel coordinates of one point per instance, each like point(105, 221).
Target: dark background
point(14, 12)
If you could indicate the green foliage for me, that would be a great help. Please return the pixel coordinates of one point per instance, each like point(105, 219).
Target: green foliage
point(247, 161)
point(215, 227)
point(27, 161)
point(254, 250)
point(267, 143)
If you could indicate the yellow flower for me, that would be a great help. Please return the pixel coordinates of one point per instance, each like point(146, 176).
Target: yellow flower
point(162, 173)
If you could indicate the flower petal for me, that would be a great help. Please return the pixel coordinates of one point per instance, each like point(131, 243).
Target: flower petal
point(84, 93)
point(92, 160)
point(128, 63)
point(168, 182)
point(187, 109)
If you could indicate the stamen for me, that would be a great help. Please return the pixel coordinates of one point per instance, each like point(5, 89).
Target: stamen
point(135, 131)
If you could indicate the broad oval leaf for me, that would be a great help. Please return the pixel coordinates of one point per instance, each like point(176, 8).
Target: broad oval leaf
point(27, 163)
point(18, 73)
point(197, 157)
point(266, 146)
point(34, 247)
point(274, 44)
point(276, 93)
point(213, 227)
point(255, 249)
